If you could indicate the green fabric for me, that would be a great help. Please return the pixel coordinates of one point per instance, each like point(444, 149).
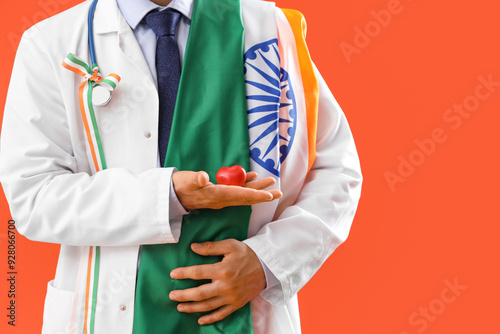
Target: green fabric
point(210, 130)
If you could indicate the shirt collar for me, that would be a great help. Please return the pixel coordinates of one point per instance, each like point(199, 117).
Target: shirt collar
point(134, 10)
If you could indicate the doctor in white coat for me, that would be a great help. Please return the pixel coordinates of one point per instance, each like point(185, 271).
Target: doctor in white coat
point(55, 196)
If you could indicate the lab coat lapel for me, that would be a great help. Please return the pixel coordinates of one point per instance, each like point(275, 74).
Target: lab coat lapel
point(128, 125)
point(108, 20)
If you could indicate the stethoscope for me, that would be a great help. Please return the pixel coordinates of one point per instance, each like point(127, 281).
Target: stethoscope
point(100, 95)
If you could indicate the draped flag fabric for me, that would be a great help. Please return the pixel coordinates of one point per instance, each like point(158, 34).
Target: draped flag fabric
point(209, 128)
point(248, 95)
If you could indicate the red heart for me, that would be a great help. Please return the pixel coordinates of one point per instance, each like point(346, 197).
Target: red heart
point(231, 176)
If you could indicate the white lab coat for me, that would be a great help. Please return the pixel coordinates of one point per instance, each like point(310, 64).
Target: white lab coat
point(55, 197)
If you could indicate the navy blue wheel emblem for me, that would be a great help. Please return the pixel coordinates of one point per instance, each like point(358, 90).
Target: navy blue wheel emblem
point(272, 109)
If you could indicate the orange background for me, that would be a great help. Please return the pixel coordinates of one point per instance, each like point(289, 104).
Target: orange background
point(439, 225)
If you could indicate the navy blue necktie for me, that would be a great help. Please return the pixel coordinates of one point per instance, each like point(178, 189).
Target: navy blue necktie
point(168, 67)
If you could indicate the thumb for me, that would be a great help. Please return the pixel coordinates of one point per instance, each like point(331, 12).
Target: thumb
point(200, 179)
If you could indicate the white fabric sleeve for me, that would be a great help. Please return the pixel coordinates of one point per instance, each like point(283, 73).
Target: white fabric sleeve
point(299, 241)
point(49, 198)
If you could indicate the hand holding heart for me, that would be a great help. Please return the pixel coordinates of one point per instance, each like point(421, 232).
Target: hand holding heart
point(195, 191)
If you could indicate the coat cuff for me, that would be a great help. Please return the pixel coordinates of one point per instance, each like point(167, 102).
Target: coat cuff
point(176, 211)
point(274, 291)
point(170, 227)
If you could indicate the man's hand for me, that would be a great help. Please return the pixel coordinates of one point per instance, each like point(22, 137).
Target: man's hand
point(195, 191)
point(236, 280)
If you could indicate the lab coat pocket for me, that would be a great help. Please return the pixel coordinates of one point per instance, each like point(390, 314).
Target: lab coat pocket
point(57, 310)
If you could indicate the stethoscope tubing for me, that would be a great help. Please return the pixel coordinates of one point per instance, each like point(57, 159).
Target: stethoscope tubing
point(91, 33)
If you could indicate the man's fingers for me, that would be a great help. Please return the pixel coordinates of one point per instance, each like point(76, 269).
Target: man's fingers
point(213, 248)
point(234, 195)
point(260, 184)
point(276, 193)
point(218, 315)
point(251, 176)
point(202, 292)
point(248, 196)
point(203, 306)
point(204, 271)
point(250, 193)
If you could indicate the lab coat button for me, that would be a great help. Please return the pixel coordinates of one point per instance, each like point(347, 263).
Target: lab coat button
point(147, 135)
point(123, 308)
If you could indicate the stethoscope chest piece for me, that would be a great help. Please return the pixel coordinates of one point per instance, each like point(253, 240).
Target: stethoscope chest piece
point(100, 96)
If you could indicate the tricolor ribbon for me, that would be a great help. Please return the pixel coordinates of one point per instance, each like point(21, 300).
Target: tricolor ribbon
point(92, 78)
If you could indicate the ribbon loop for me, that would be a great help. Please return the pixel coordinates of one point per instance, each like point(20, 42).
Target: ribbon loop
point(92, 75)
point(91, 78)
